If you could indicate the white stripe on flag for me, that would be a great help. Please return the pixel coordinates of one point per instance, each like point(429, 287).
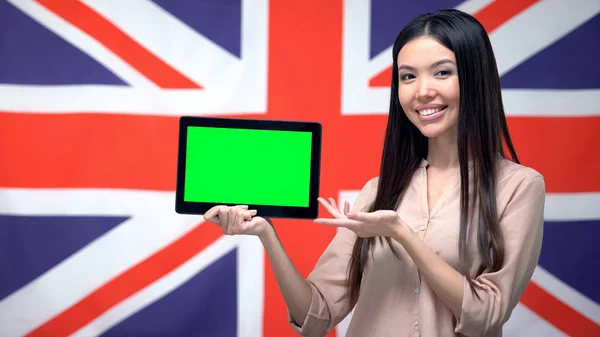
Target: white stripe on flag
point(551, 103)
point(572, 206)
point(558, 207)
point(174, 42)
point(524, 322)
point(153, 224)
point(536, 28)
point(566, 294)
point(250, 287)
point(124, 100)
point(84, 42)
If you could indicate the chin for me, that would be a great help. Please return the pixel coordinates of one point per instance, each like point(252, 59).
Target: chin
point(435, 131)
point(441, 127)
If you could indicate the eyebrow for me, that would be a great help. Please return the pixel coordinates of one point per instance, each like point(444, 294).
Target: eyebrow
point(440, 62)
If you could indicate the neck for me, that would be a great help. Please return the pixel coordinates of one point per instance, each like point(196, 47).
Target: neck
point(442, 152)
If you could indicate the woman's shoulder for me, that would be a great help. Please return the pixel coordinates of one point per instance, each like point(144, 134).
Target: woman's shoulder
point(511, 170)
point(369, 189)
point(367, 193)
point(371, 184)
point(515, 178)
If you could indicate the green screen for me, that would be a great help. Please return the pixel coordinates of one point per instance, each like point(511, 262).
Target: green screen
point(246, 166)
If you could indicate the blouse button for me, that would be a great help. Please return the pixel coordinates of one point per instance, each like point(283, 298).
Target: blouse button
point(416, 322)
point(417, 290)
point(422, 228)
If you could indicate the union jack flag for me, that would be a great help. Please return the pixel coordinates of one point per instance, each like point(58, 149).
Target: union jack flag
point(90, 95)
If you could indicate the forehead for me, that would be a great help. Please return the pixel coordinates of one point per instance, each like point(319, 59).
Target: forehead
point(424, 51)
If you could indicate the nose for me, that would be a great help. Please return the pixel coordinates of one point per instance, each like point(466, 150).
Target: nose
point(424, 90)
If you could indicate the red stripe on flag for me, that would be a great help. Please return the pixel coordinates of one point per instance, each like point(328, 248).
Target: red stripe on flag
point(562, 316)
point(307, 92)
point(563, 150)
point(498, 12)
point(491, 17)
point(89, 151)
point(382, 80)
point(89, 21)
point(140, 152)
point(129, 283)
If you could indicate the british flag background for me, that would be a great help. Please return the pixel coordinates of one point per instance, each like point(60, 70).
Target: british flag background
point(90, 95)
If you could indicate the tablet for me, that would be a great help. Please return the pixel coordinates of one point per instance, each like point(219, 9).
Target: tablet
point(272, 166)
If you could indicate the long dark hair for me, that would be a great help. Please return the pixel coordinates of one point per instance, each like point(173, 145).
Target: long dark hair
point(481, 127)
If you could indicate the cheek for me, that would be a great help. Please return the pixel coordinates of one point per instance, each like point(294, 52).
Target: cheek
point(404, 98)
point(453, 92)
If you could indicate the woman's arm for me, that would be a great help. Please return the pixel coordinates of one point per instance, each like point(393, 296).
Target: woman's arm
point(498, 292)
point(443, 279)
point(294, 288)
point(240, 220)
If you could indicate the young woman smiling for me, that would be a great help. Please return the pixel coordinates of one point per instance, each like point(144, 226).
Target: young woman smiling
point(445, 240)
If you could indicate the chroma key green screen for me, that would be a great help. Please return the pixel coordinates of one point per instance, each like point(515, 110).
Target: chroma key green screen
point(247, 166)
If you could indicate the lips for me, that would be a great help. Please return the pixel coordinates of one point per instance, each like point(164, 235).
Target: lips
point(429, 113)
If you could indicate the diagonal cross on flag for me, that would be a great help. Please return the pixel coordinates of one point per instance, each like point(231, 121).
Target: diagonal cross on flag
point(126, 146)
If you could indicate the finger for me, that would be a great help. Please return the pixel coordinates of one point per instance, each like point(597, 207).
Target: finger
point(334, 204)
point(346, 207)
point(360, 216)
point(211, 214)
point(245, 213)
point(329, 208)
point(248, 225)
point(249, 214)
point(223, 215)
point(339, 222)
point(232, 220)
point(241, 218)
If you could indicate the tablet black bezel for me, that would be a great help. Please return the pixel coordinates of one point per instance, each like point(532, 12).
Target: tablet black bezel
point(199, 208)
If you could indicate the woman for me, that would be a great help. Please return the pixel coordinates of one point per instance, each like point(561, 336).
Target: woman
point(445, 240)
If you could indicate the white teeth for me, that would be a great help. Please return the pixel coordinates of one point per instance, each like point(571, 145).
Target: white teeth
point(428, 112)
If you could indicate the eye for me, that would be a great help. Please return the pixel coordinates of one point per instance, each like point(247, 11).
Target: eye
point(444, 73)
point(406, 77)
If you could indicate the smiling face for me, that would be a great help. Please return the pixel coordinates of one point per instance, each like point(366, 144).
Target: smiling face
point(428, 87)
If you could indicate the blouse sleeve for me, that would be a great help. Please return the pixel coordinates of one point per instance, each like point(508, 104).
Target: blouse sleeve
point(499, 292)
point(329, 302)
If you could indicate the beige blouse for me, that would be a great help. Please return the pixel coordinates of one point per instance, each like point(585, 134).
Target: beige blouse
point(394, 299)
